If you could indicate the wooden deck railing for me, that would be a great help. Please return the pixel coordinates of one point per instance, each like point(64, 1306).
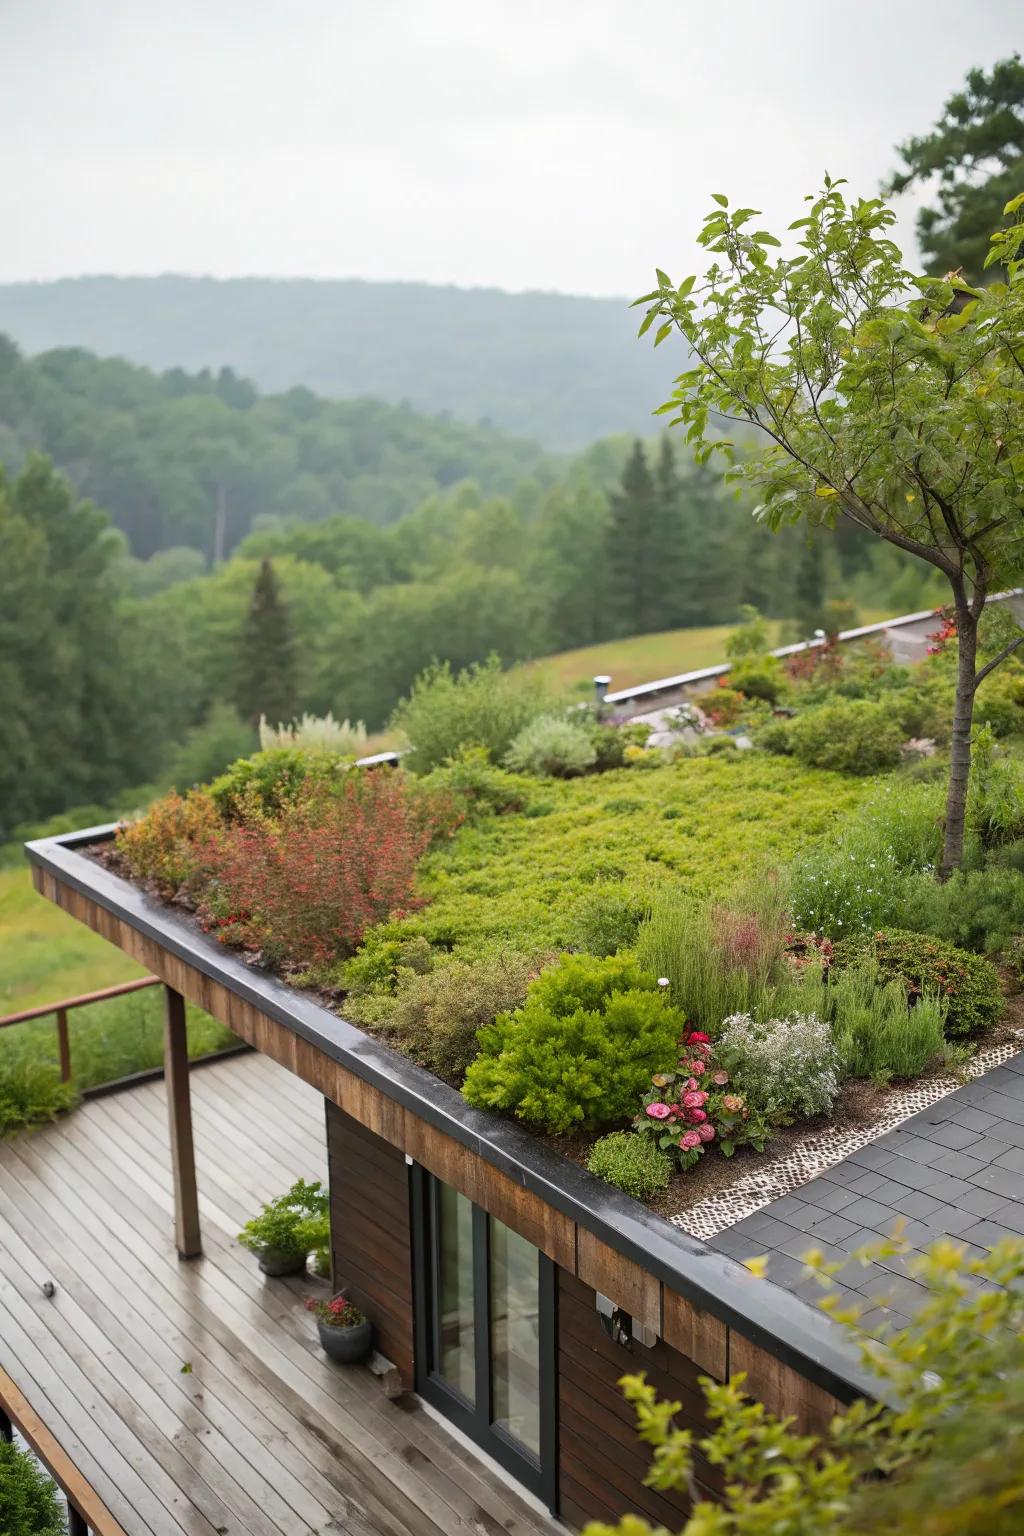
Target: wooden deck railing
point(63, 1008)
point(86, 1510)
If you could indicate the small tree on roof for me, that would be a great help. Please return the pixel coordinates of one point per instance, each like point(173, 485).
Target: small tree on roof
point(886, 398)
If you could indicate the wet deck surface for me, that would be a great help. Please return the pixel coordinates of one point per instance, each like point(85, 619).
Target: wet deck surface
point(193, 1395)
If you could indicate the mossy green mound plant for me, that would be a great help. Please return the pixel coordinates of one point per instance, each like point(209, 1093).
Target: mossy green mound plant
point(580, 1050)
point(632, 1163)
point(967, 984)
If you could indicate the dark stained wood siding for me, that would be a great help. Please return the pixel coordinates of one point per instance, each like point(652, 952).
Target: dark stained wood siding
point(601, 1463)
point(371, 1245)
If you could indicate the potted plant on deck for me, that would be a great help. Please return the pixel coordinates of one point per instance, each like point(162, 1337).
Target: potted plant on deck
point(288, 1228)
point(346, 1334)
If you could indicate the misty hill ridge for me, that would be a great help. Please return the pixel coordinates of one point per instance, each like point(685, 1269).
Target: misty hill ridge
point(560, 369)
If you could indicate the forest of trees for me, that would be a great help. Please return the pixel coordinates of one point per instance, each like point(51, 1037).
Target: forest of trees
point(198, 460)
point(559, 369)
point(154, 671)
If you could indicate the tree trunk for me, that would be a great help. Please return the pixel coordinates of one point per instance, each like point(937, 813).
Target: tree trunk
point(960, 756)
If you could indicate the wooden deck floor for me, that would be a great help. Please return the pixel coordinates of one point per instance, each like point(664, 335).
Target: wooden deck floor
point(193, 1394)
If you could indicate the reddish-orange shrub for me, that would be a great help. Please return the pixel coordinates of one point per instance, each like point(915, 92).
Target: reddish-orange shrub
point(162, 846)
point(304, 886)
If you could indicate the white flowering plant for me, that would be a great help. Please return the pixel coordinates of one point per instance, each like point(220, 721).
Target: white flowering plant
point(787, 1068)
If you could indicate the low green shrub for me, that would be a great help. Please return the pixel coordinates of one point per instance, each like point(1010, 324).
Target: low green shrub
point(29, 1504)
point(434, 1016)
point(750, 637)
point(273, 779)
point(877, 1034)
point(723, 705)
point(379, 962)
point(552, 747)
point(759, 677)
point(967, 984)
point(855, 736)
point(606, 919)
point(581, 1049)
point(478, 784)
point(775, 736)
point(979, 909)
point(31, 1092)
point(162, 845)
point(787, 1068)
point(632, 1163)
point(479, 707)
point(999, 702)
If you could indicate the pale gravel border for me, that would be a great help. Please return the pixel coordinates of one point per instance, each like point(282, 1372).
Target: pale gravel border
point(824, 1149)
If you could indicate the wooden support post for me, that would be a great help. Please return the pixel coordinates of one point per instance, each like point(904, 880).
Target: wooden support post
point(63, 1045)
point(179, 1111)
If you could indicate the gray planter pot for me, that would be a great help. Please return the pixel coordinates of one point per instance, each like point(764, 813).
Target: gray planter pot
point(278, 1261)
point(347, 1345)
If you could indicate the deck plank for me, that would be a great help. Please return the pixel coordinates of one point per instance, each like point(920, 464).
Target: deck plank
point(262, 1434)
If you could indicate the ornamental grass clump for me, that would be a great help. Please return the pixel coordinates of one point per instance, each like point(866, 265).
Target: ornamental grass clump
point(788, 1068)
point(552, 747)
point(876, 1033)
point(580, 1050)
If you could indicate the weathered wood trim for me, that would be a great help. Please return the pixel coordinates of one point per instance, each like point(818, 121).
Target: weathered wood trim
point(587, 1228)
point(78, 1491)
point(179, 1119)
point(782, 1390)
point(704, 1339)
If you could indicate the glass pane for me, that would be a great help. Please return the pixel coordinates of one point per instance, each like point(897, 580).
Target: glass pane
point(515, 1336)
point(455, 1290)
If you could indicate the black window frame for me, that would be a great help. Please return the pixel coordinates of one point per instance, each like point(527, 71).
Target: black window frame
point(538, 1473)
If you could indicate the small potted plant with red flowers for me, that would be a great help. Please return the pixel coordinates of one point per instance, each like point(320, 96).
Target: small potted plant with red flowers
point(346, 1334)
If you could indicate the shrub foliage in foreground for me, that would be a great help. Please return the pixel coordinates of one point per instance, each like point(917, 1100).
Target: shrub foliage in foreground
point(581, 1049)
point(950, 1456)
point(29, 1505)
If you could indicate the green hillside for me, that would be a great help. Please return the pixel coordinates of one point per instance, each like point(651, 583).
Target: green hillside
point(559, 369)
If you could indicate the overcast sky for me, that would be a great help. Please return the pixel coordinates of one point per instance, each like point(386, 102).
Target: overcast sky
point(557, 144)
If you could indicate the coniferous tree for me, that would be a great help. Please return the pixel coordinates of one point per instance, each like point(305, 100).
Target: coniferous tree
point(676, 549)
point(267, 683)
point(631, 550)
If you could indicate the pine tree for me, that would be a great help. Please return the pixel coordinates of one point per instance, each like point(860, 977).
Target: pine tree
point(266, 673)
point(631, 552)
point(676, 547)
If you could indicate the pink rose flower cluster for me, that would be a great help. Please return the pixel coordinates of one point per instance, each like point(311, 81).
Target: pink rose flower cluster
point(689, 1109)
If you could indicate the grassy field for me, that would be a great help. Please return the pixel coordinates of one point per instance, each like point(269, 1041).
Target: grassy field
point(46, 956)
point(645, 658)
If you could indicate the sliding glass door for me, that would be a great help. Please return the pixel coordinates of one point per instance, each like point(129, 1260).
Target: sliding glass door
point(485, 1352)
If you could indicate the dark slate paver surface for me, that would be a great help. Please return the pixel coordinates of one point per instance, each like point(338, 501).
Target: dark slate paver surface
point(955, 1170)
